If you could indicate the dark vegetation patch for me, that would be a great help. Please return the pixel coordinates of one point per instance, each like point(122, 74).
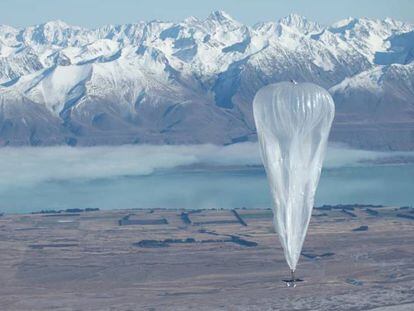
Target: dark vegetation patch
point(350, 207)
point(185, 218)
point(207, 232)
point(361, 228)
point(61, 215)
point(354, 282)
point(372, 212)
point(311, 255)
point(405, 216)
point(168, 242)
point(216, 222)
point(56, 245)
point(241, 221)
point(347, 212)
point(238, 220)
point(29, 228)
point(126, 220)
point(242, 242)
point(68, 211)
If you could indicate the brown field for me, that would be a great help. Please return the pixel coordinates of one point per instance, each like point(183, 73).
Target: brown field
point(205, 260)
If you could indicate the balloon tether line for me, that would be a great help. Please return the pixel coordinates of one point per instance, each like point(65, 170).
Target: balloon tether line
point(292, 275)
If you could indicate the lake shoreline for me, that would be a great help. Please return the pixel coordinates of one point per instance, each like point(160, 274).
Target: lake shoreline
point(79, 211)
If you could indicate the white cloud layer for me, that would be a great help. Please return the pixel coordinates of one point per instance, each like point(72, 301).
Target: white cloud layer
point(28, 165)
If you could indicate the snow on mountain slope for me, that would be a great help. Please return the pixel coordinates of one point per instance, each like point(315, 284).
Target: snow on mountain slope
point(375, 108)
point(58, 85)
point(371, 92)
point(368, 35)
point(193, 81)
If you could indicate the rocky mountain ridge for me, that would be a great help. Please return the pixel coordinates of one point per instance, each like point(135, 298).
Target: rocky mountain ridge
point(193, 81)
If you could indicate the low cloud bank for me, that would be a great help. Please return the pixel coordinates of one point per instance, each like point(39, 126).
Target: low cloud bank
point(28, 165)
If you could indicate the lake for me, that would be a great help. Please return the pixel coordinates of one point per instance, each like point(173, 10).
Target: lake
point(189, 177)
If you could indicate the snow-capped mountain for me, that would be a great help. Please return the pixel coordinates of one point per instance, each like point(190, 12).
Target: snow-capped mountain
point(194, 81)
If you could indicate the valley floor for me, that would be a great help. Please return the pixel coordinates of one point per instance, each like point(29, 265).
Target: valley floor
point(354, 258)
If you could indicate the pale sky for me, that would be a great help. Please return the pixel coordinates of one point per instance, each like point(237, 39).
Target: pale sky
point(94, 13)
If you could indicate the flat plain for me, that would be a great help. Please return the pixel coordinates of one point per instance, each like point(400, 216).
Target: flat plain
point(354, 258)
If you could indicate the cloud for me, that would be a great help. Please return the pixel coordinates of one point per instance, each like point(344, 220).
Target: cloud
point(339, 155)
point(27, 165)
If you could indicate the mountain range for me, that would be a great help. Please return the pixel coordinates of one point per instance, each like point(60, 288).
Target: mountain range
point(193, 82)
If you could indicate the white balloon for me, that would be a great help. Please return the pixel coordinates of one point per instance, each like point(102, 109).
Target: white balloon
point(293, 123)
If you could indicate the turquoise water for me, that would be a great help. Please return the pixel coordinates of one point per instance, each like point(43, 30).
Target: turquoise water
point(204, 188)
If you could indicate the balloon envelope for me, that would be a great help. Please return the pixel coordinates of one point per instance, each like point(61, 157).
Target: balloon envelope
point(293, 123)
